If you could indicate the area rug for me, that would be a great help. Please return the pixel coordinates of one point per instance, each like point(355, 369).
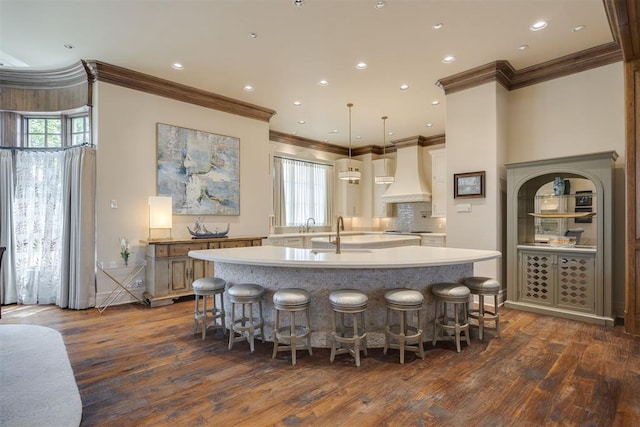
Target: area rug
point(37, 386)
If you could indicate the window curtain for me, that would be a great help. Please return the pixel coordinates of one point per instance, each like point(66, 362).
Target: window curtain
point(302, 190)
point(49, 229)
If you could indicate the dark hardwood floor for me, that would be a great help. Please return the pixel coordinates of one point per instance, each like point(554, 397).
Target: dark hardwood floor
point(140, 366)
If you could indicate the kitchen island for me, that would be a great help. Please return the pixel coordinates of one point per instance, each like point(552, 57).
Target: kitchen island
point(320, 271)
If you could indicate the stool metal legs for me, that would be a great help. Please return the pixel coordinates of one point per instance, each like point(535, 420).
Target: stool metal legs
point(406, 334)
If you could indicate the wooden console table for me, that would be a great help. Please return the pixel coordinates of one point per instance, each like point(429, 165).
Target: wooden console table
point(171, 272)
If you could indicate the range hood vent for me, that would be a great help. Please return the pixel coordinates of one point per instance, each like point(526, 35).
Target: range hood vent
point(410, 184)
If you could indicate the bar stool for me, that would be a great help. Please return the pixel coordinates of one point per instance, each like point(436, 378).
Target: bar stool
point(246, 294)
point(482, 286)
point(457, 295)
point(291, 300)
point(349, 302)
point(403, 301)
point(203, 288)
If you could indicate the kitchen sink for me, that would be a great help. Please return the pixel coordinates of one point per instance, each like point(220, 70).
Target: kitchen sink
point(344, 251)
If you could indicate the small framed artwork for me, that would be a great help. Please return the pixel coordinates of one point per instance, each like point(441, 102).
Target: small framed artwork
point(583, 205)
point(468, 185)
point(583, 198)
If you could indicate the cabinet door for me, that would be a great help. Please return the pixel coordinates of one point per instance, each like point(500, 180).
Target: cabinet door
point(179, 275)
point(438, 183)
point(576, 282)
point(536, 278)
point(198, 270)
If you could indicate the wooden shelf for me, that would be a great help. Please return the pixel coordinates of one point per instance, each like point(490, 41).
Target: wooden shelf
point(563, 215)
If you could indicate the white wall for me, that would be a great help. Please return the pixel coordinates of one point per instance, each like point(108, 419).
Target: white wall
point(126, 139)
point(578, 114)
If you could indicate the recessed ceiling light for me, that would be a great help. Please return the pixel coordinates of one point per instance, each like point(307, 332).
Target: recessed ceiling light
point(538, 26)
point(323, 83)
point(380, 4)
point(253, 35)
point(334, 131)
point(177, 66)
point(523, 47)
point(294, 132)
point(298, 3)
point(435, 102)
point(68, 46)
point(358, 137)
point(578, 28)
point(301, 122)
point(429, 125)
point(448, 59)
point(325, 140)
point(248, 88)
point(404, 87)
point(437, 26)
point(390, 133)
point(297, 103)
point(361, 65)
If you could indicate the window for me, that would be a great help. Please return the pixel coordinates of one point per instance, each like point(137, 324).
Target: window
point(302, 190)
point(44, 132)
point(56, 132)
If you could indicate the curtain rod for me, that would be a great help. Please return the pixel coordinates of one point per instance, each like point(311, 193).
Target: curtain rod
point(86, 144)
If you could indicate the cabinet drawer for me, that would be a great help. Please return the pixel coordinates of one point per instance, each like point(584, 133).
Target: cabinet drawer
point(214, 245)
point(162, 251)
point(182, 249)
point(432, 241)
point(236, 244)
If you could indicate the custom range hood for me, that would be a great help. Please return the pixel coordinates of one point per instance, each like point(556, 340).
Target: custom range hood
point(410, 184)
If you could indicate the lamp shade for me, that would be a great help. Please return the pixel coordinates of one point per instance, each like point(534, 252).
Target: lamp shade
point(160, 212)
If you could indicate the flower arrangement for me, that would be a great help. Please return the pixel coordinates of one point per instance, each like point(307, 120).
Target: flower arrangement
point(125, 250)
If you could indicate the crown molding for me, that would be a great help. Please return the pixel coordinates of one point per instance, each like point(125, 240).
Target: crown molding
point(503, 73)
point(624, 21)
point(108, 73)
point(311, 144)
point(30, 78)
point(419, 140)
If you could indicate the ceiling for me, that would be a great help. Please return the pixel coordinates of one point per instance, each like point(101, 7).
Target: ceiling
point(296, 47)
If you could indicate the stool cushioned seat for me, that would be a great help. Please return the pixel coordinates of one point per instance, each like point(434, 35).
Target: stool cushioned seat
point(209, 284)
point(403, 297)
point(293, 296)
point(348, 298)
point(481, 284)
point(246, 290)
point(451, 290)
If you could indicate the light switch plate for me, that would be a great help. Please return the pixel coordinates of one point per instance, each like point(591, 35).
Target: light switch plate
point(463, 207)
point(114, 204)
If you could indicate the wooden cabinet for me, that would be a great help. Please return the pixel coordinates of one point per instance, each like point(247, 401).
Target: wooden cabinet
point(437, 241)
point(382, 209)
point(289, 242)
point(562, 279)
point(438, 183)
point(547, 272)
point(170, 271)
point(347, 192)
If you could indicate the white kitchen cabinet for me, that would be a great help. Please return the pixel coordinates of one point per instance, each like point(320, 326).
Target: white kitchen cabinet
point(348, 195)
point(288, 242)
point(382, 209)
point(434, 240)
point(439, 183)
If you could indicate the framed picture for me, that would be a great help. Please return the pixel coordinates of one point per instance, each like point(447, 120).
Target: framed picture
point(468, 185)
point(583, 198)
point(199, 170)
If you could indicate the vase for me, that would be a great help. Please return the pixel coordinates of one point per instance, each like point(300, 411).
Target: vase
point(558, 186)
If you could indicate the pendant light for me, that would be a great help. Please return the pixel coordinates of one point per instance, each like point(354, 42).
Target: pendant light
point(384, 179)
point(350, 174)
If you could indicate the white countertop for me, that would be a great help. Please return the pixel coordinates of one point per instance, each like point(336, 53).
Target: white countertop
point(364, 239)
point(348, 233)
point(399, 257)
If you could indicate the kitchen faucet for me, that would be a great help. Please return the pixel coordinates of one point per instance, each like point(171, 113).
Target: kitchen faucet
point(339, 226)
point(307, 226)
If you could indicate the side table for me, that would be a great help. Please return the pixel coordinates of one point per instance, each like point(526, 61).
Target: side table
point(120, 283)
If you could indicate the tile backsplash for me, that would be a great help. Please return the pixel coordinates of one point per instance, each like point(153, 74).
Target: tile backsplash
point(417, 217)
